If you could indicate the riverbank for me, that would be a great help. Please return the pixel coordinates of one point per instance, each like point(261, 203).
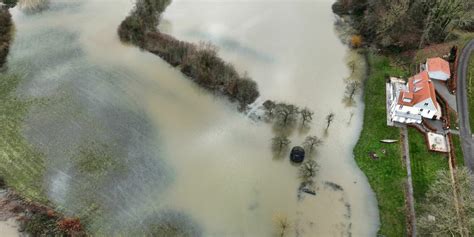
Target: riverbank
point(386, 175)
point(33, 219)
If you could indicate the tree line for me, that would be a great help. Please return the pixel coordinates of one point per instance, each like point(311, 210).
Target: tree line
point(407, 24)
point(199, 62)
point(6, 28)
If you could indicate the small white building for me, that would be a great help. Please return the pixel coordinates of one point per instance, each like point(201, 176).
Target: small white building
point(411, 102)
point(438, 69)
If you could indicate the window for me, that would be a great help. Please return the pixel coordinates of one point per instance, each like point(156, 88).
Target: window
point(429, 111)
point(408, 112)
point(421, 110)
point(401, 106)
point(426, 104)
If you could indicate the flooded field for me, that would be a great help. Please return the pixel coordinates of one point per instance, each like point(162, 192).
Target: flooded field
point(129, 142)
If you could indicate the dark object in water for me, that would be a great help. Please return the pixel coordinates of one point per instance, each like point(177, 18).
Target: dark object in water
point(297, 154)
point(308, 191)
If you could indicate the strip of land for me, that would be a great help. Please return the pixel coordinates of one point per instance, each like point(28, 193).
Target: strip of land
point(463, 105)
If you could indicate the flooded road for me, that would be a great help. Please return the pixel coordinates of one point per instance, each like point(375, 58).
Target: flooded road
point(159, 144)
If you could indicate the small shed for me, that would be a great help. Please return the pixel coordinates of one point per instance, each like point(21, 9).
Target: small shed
point(438, 69)
point(297, 154)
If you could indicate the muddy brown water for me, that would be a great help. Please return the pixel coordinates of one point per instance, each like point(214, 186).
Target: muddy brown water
point(183, 148)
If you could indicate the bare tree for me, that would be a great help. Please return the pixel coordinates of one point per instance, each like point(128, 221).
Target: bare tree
point(311, 142)
point(352, 87)
point(446, 212)
point(329, 119)
point(308, 170)
point(269, 107)
point(282, 224)
point(280, 143)
point(286, 114)
point(306, 116)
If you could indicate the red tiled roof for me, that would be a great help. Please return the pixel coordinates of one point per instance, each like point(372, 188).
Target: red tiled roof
point(420, 88)
point(438, 64)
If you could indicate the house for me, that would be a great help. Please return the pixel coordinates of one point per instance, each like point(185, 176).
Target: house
point(438, 69)
point(411, 102)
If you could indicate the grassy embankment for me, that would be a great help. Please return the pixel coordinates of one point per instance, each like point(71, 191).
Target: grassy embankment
point(386, 175)
point(20, 165)
point(470, 88)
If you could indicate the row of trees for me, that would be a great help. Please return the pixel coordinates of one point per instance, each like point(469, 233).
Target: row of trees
point(405, 24)
point(282, 143)
point(6, 27)
point(199, 62)
point(286, 115)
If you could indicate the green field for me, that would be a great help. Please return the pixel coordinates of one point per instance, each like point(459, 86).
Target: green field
point(386, 175)
point(20, 166)
point(424, 165)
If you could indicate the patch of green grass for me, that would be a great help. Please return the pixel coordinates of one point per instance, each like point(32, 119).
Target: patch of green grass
point(20, 165)
point(470, 90)
point(387, 174)
point(424, 165)
point(458, 150)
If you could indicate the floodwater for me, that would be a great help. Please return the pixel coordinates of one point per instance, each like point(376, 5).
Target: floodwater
point(169, 150)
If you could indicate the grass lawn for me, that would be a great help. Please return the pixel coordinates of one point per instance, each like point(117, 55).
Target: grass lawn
point(458, 151)
point(20, 166)
point(386, 175)
point(424, 165)
point(470, 90)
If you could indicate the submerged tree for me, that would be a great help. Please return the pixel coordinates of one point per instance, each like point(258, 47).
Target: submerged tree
point(352, 87)
point(308, 170)
point(280, 144)
point(286, 114)
point(311, 142)
point(440, 215)
point(269, 107)
point(329, 119)
point(306, 116)
point(282, 224)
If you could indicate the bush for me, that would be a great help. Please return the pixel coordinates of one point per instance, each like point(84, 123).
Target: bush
point(5, 34)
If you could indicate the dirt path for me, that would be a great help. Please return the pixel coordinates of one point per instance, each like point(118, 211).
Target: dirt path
point(409, 184)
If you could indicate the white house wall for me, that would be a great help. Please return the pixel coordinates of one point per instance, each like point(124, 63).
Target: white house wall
point(438, 75)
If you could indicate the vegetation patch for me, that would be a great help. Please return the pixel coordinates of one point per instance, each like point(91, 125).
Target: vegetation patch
point(386, 175)
point(6, 28)
point(38, 220)
point(424, 164)
point(441, 214)
point(470, 90)
point(395, 26)
point(199, 62)
point(20, 165)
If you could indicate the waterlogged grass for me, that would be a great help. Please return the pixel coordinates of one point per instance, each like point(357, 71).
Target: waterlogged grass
point(20, 165)
point(386, 175)
point(424, 165)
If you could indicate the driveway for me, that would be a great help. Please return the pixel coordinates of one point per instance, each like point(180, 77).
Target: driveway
point(463, 107)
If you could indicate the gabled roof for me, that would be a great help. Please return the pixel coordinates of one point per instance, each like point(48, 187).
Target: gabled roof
point(438, 64)
point(419, 88)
